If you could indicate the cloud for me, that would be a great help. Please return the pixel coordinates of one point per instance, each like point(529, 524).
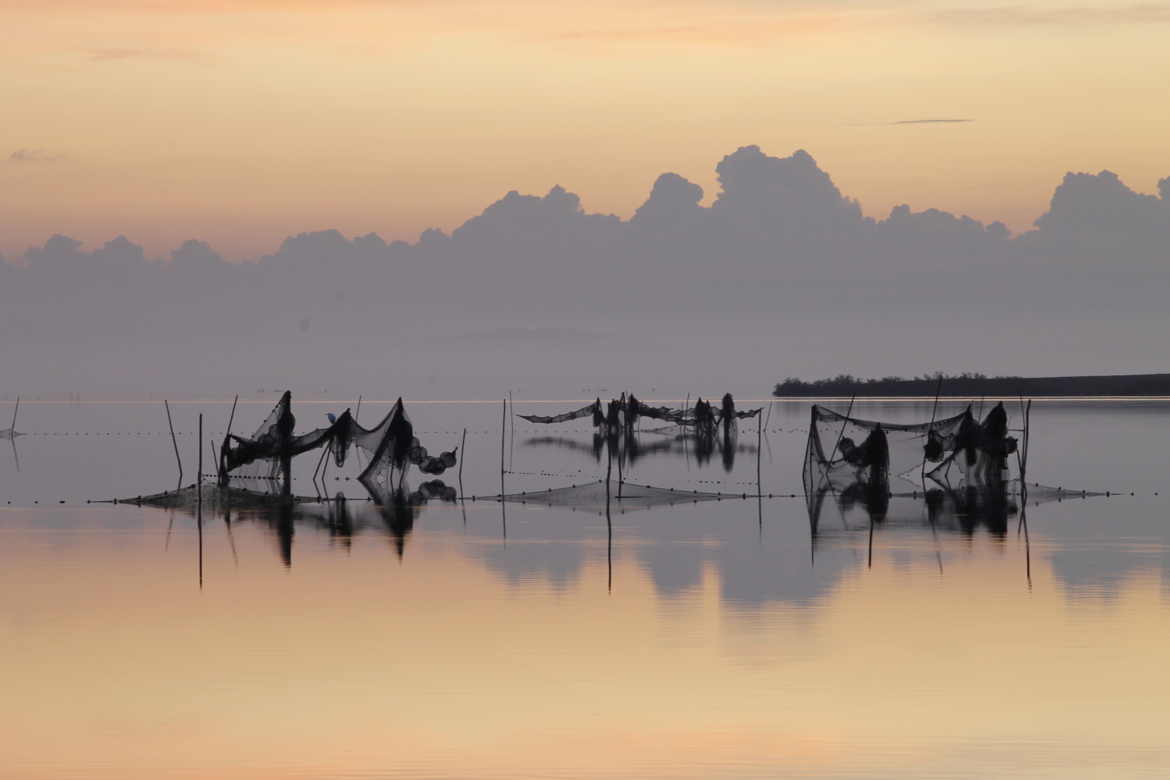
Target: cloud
point(1019, 15)
point(126, 55)
point(33, 156)
point(1098, 216)
point(780, 242)
point(932, 121)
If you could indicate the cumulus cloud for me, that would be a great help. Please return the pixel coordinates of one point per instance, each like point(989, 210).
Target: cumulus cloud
point(1097, 217)
point(780, 239)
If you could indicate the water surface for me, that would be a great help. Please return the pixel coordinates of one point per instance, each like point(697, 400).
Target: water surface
point(711, 639)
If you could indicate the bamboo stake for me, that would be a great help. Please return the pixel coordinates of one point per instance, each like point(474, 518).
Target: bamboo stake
point(199, 527)
point(759, 487)
point(503, 438)
point(759, 450)
point(930, 430)
point(232, 417)
point(1027, 435)
point(608, 545)
point(869, 558)
point(620, 480)
point(462, 455)
point(359, 409)
point(174, 441)
point(324, 451)
point(841, 432)
point(199, 510)
point(14, 413)
point(608, 466)
point(199, 448)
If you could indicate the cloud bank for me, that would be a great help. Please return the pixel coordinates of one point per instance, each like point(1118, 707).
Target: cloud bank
point(780, 246)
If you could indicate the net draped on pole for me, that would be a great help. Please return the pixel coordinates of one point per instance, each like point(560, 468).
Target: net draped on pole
point(956, 451)
point(624, 412)
point(389, 449)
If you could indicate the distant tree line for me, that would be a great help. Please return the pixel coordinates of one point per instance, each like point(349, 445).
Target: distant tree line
point(970, 384)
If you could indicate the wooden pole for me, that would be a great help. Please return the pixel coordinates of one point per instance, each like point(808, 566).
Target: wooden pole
point(841, 432)
point(14, 413)
point(174, 441)
point(759, 484)
point(359, 409)
point(620, 480)
point(324, 452)
point(869, 557)
point(232, 417)
point(503, 438)
point(1027, 435)
point(199, 529)
point(759, 448)
point(462, 455)
point(200, 450)
point(608, 466)
point(930, 430)
point(608, 545)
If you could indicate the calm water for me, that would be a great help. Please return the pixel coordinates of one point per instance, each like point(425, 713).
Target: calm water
point(715, 639)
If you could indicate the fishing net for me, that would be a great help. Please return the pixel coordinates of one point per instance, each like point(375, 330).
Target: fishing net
point(261, 455)
point(624, 412)
point(384, 452)
point(955, 451)
point(592, 410)
point(594, 497)
point(397, 449)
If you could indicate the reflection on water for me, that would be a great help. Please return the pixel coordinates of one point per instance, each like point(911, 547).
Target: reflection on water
point(852, 635)
point(629, 448)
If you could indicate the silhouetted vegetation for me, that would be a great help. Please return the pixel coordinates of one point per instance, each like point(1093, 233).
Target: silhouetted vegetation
point(975, 384)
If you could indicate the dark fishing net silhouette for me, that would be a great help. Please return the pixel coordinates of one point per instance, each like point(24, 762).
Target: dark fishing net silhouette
point(385, 452)
point(954, 451)
point(625, 411)
point(595, 496)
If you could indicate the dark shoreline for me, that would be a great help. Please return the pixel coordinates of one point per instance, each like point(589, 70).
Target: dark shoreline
point(1121, 385)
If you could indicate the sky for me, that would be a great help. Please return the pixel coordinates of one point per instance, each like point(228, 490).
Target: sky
point(240, 123)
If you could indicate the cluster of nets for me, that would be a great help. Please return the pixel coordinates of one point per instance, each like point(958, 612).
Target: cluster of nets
point(385, 452)
point(957, 451)
point(623, 414)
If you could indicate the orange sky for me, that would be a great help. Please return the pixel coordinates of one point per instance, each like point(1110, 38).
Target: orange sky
point(241, 122)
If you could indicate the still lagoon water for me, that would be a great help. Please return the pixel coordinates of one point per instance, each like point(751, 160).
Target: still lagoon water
point(729, 639)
